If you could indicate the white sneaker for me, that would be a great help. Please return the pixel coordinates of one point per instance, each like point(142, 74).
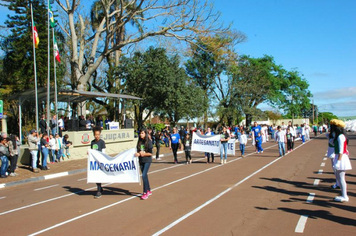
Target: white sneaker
point(341, 199)
point(224, 161)
point(261, 151)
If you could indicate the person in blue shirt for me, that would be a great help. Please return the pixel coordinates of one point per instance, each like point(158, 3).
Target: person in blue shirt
point(258, 140)
point(175, 141)
point(256, 129)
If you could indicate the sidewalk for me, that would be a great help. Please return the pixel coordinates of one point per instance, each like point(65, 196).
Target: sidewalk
point(63, 168)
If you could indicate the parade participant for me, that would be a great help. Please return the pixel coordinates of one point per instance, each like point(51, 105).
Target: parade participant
point(293, 133)
point(331, 150)
point(302, 132)
point(158, 138)
point(224, 139)
point(32, 140)
point(315, 129)
point(14, 153)
point(4, 154)
point(207, 154)
point(281, 139)
point(44, 151)
point(174, 143)
point(256, 129)
point(341, 160)
point(99, 145)
point(289, 137)
point(258, 141)
point(187, 143)
point(243, 142)
point(321, 129)
point(307, 131)
point(144, 152)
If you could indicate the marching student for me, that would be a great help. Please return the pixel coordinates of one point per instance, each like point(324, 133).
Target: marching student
point(158, 138)
point(187, 143)
point(331, 150)
point(144, 152)
point(243, 142)
point(174, 143)
point(258, 141)
point(256, 129)
point(224, 139)
point(207, 154)
point(303, 133)
point(99, 145)
point(341, 161)
point(281, 139)
point(289, 137)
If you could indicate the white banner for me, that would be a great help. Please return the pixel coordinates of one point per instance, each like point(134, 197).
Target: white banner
point(204, 143)
point(231, 147)
point(211, 144)
point(123, 168)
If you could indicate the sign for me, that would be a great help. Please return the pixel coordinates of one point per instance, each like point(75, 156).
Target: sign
point(85, 138)
point(114, 125)
point(205, 143)
point(231, 147)
point(1, 109)
point(123, 168)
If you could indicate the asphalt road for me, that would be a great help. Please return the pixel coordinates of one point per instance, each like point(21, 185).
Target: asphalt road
point(260, 194)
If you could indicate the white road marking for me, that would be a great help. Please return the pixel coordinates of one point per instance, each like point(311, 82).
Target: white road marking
point(133, 197)
point(82, 179)
point(310, 197)
point(301, 224)
point(325, 158)
point(37, 189)
point(316, 182)
point(2, 198)
point(56, 175)
point(320, 172)
point(2, 185)
point(322, 164)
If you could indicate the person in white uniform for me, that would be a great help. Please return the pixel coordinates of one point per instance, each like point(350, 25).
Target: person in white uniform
point(341, 161)
point(331, 150)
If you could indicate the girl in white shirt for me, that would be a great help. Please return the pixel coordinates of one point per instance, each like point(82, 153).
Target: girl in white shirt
point(52, 147)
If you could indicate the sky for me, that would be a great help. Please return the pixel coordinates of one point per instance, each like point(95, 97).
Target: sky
point(318, 37)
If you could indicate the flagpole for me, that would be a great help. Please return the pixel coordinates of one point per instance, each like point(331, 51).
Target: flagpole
point(34, 68)
point(55, 81)
point(49, 73)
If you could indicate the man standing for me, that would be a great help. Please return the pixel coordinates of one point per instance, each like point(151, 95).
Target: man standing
point(33, 139)
point(43, 124)
point(256, 129)
point(4, 154)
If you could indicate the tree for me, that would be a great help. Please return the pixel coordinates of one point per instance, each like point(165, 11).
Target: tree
point(325, 117)
point(181, 19)
point(273, 115)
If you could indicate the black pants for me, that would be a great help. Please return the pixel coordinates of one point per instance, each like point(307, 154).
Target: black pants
point(13, 163)
point(175, 149)
point(187, 155)
point(158, 146)
point(289, 144)
point(98, 186)
point(208, 157)
point(292, 144)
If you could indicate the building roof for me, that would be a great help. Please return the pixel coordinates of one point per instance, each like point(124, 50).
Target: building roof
point(67, 95)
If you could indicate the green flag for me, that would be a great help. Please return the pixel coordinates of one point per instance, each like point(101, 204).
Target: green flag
point(51, 16)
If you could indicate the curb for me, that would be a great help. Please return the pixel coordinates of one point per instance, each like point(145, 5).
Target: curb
point(57, 175)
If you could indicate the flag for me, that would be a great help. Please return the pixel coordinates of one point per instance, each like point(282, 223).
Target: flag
point(51, 17)
point(35, 35)
point(55, 50)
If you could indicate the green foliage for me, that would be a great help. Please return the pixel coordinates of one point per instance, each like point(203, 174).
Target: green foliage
point(325, 117)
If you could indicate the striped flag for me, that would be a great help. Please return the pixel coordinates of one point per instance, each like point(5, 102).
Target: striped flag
point(55, 50)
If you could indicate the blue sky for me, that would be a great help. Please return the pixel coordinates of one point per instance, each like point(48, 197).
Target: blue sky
point(316, 37)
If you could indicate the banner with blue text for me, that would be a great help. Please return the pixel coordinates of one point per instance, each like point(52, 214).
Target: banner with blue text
point(123, 168)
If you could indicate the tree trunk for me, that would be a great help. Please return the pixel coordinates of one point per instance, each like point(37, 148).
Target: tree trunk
point(248, 120)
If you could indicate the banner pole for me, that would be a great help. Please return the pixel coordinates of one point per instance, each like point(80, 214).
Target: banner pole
point(34, 67)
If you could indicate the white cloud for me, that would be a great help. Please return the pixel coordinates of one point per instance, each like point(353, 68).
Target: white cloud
point(340, 93)
point(339, 108)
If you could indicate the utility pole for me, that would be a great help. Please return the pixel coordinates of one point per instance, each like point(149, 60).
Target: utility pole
point(313, 111)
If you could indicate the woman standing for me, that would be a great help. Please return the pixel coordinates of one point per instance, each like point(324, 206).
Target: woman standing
point(14, 154)
point(224, 138)
point(331, 150)
point(174, 144)
point(341, 160)
point(44, 150)
point(144, 152)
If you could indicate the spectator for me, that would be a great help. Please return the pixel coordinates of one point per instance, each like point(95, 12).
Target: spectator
point(4, 154)
point(14, 154)
point(59, 148)
point(33, 139)
point(60, 127)
point(66, 145)
point(99, 122)
point(107, 121)
point(43, 124)
point(52, 148)
point(44, 151)
point(54, 125)
point(82, 123)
